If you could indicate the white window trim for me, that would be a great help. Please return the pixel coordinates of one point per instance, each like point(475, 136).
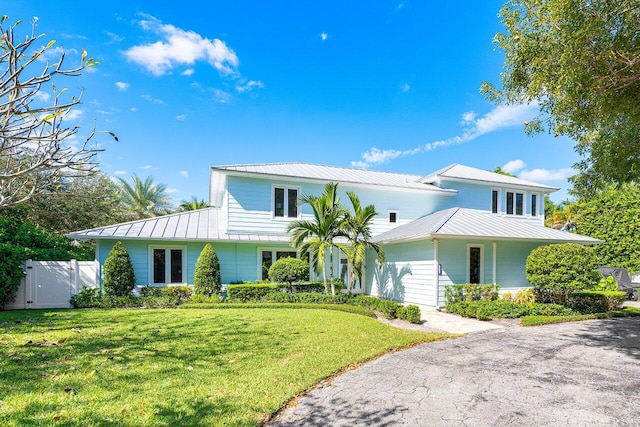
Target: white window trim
point(525, 194)
point(475, 245)
point(395, 211)
point(273, 251)
point(168, 264)
point(499, 210)
point(286, 202)
point(538, 198)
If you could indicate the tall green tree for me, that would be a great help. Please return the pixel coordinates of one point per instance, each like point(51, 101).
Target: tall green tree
point(39, 146)
point(357, 226)
point(206, 277)
point(317, 236)
point(613, 215)
point(77, 204)
point(144, 199)
point(192, 205)
point(579, 60)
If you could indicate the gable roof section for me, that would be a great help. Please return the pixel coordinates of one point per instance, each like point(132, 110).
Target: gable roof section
point(334, 174)
point(201, 224)
point(469, 223)
point(458, 172)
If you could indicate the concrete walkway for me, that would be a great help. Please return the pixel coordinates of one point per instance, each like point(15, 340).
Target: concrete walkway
point(441, 321)
point(571, 374)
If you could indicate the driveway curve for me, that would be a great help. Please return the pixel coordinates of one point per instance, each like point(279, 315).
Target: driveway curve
point(571, 374)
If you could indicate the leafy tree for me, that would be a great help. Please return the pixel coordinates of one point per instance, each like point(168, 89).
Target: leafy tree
point(78, 204)
point(358, 231)
point(38, 148)
point(289, 270)
point(579, 60)
point(316, 237)
point(613, 215)
point(119, 277)
point(145, 199)
point(192, 205)
point(555, 271)
point(206, 277)
point(499, 170)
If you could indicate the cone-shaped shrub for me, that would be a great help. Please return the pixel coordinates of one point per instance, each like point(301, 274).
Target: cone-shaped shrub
point(119, 278)
point(206, 278)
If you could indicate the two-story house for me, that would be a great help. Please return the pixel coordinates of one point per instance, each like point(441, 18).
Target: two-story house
point(457, 225)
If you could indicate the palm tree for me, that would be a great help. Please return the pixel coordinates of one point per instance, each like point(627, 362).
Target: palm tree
point(316, 237)
point(144, 199)
point(358, 230)
point(192, 205)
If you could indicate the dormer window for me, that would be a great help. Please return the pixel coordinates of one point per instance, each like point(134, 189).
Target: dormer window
point(393, 217)
point(495, 198)
point(285, 202)
point(515, 203)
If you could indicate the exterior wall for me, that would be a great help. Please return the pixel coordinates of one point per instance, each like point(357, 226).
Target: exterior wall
point(407, 276)
point(238, 261)
point(250, 204)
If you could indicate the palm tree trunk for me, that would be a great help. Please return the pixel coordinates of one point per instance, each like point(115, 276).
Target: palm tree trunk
point(333, 284)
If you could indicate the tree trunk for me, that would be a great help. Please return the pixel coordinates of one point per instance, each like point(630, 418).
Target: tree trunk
point(333, 284)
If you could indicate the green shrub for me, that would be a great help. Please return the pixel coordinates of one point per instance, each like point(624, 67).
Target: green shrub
point(119, 278)
point(500, 309)
point(413, 313)
point(305, 298)
point(525, 296)
point(249, 293)
point(588, 302)
point(86, 298)
point(10, 272)
point(389, 308)
point(556, 271)
point(606, 284)
point(206, 276)
point(289, 270)
point(507, 296)
point(203, 299)
point(470, 292)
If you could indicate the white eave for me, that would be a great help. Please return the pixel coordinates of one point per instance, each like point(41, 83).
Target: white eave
point(469, 223)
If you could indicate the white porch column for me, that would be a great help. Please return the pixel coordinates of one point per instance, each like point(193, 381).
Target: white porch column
point(495, 263)
point(436, 259)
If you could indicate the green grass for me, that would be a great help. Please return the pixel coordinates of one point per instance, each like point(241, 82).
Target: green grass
point(176, 367)
point(545, 320)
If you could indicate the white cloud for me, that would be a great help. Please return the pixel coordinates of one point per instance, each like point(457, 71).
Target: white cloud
point(323, 36)
point(180, 47)
point(249, 86)
point(188, 72)
point(113, 37)
point(468, 117)
point(172, 190)
point(184, 173)
point(544, 175)
point(42, 96)
point(73, 114)
point(406, 87)
point(122, 86)
point(120, 172)
point(146, 167)
point(152, 99)
point(514, 166)
point(134, 109)
point(500, 117)
point(181, 117)
point(221, 96)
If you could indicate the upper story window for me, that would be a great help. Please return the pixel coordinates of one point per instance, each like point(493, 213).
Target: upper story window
point(515, 203)
point(285, 202)
point(534, 205)
point(393, 217)
point(495, 198)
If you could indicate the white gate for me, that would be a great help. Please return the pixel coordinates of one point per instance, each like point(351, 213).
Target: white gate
point(51, 284)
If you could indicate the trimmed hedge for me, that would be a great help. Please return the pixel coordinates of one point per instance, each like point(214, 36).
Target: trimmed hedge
point(589, 302)
point(487, 310)
point(389, 309)
point(470, 292)
point(249, 293)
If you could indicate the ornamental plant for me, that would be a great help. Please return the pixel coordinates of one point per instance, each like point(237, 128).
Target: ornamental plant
point(556, 271)
point(289, 270)
point(206, 277)
point(119, 278)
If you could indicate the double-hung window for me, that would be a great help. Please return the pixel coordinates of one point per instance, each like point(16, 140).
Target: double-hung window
point(495, 201)
point(515, 203)
point(285, 202)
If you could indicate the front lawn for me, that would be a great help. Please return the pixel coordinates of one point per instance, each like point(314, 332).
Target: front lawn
point(176, 367)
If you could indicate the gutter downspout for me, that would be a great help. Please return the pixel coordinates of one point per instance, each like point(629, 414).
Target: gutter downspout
point(436, 258)
point(495, 263)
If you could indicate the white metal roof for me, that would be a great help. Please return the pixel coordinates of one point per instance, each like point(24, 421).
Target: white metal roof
point(469, 223)
point(201, 224)
point(461, 172)
point(335, 174)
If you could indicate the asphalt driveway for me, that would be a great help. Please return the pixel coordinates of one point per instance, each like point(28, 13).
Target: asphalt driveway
point(571, 374)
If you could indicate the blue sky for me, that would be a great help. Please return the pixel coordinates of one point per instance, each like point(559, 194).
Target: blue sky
point(386, 85)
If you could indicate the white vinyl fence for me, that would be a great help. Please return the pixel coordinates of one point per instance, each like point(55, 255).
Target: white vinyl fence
point(51, 284)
